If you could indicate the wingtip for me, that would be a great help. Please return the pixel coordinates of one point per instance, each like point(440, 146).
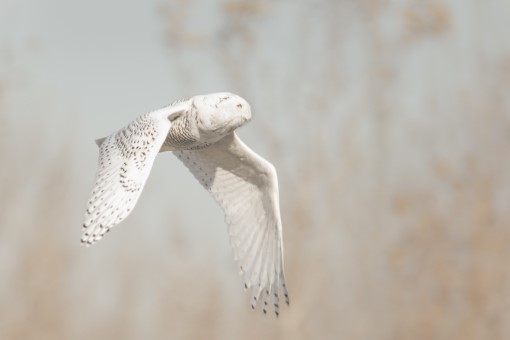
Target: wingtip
point(87, 240)
point(84, 243)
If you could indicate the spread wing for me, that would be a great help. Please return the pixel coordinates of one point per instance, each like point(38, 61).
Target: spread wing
point(125, 161)
point(246, 187)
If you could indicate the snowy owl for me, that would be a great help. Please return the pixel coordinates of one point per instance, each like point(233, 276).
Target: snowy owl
point(200, 132)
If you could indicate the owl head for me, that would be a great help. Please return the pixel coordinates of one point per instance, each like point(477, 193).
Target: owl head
point(220, 113)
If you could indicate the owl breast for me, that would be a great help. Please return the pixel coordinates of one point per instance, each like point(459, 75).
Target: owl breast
point(183, 132)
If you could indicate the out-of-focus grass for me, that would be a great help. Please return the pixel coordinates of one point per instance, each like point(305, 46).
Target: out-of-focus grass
point(35, 204)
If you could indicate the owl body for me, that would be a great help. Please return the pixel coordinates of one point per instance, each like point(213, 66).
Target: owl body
point(200, 132)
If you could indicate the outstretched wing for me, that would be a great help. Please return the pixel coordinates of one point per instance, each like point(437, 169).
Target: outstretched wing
point(125, 161)
point(246, 187)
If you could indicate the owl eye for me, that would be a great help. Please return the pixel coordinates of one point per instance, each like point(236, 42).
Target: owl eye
point(240, 106)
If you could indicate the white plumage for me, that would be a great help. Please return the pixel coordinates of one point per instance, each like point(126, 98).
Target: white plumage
point(200, 132)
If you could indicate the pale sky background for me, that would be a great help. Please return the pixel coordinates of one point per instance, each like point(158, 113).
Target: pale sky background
point(388, 123)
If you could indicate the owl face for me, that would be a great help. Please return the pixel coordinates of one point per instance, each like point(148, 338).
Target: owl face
point(220, 113)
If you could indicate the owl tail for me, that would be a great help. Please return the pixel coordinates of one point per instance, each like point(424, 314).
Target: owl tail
point(100, 141)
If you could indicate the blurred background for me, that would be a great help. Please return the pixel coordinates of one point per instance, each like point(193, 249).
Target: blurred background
point(388, 123)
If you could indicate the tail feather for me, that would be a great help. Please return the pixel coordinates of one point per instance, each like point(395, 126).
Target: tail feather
point(100, 141)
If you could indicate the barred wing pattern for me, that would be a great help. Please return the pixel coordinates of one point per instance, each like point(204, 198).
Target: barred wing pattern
point(125, 161)
point(246, 187)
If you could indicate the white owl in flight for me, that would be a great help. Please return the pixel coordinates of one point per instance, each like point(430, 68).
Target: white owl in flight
point(200, 132)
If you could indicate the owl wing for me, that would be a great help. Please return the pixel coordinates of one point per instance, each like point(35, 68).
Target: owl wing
point(246, 187)
point(125, 161)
